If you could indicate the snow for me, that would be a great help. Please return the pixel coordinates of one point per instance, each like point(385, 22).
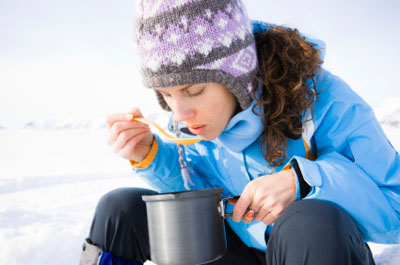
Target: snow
point(53, 173)
point(390, 256)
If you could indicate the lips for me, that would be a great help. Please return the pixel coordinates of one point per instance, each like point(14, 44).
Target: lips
point(196, 129)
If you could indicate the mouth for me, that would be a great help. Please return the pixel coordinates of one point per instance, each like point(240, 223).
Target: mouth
point(196, 129)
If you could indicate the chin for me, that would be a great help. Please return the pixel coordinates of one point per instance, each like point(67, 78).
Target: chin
point(209, 136)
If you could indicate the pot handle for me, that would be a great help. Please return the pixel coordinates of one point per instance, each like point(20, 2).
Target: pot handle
point(222, 206)
point(249, 214)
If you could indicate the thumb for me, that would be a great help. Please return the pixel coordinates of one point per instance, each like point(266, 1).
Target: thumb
point(133, 113)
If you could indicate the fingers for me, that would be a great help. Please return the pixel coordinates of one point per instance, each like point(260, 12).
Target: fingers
point(127, 150)
point(116, 117)
point(123, 129)
point(267, 213)
point(268, 196)
point(268, 219)
point(242, 204)
point(117, 123)
point(250, 215)
point(262, 213)
point(131, 136)
point(271, 216)
point(127, 137)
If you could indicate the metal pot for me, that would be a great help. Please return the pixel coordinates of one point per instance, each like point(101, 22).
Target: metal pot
point(186, 228)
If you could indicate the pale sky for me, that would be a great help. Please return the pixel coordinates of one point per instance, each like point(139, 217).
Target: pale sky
point(73, 59)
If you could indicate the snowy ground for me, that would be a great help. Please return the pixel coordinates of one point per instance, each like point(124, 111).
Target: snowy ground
point(51, 180)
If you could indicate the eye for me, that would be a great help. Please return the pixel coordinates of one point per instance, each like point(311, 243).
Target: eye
point(194, 90)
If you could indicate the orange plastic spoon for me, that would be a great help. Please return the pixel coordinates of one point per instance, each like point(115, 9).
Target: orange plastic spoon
point(184, 141)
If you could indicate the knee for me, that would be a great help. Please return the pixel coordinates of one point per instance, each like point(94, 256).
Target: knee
point(314, 218)
point(122, 201)
point(316, 232)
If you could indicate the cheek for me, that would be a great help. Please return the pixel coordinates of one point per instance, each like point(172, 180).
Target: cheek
point(229, 107)
point(222, 112)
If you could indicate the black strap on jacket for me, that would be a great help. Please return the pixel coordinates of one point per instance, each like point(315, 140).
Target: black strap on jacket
point(304, 187)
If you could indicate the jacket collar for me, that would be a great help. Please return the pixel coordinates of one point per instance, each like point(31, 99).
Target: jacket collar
point(242, 130)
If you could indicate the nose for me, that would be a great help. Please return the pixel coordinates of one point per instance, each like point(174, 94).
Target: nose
point(182, 111)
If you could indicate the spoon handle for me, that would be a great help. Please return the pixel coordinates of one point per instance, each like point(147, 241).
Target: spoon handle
point(184, 141)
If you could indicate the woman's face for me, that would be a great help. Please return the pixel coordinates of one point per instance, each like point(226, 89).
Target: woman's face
point(204, 108)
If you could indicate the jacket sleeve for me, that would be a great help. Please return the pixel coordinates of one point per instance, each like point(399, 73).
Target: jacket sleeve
point(164, 173)
point(356, 166)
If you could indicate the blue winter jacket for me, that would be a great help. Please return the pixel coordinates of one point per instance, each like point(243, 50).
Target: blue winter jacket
point(356, 166)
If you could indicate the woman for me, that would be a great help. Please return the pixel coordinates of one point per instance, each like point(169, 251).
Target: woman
point(305, 153)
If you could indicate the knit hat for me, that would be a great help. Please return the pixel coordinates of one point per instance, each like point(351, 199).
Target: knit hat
point(183, 42)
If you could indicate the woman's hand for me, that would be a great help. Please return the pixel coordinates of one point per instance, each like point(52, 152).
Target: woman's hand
point(268, 196)
point(129, 138)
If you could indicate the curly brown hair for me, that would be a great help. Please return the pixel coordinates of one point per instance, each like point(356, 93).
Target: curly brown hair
point(288, 63)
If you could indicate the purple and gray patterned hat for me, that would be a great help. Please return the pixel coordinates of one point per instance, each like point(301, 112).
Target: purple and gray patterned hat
point(196, 41)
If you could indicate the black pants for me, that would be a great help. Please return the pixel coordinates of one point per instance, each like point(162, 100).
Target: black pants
point(308, 232)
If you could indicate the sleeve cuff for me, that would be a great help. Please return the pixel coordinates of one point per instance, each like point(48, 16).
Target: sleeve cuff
point(146, 162)
point(304, 188)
